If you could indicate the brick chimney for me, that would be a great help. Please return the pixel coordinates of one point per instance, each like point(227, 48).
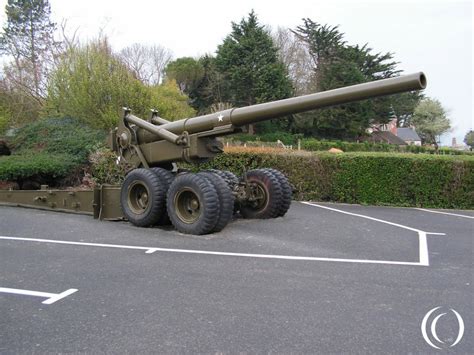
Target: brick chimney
point(393, 124)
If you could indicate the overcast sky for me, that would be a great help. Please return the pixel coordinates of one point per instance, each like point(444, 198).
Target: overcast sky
point(432, 36)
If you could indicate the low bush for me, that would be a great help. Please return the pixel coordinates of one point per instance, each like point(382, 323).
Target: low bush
point(366, 178)
point(42, 167)
point(104, 168)
point(48, 150)
point(57, 136)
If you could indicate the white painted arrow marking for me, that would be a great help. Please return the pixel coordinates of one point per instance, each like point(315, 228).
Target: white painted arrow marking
point(50, 297)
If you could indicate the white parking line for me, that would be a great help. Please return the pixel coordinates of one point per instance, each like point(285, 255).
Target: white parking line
point(446, 213)
point(151, 250)
point(50, 297)
point(422, 240)
point(363, 216)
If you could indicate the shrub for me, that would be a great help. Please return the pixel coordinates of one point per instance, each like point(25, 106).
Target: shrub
point(58, 136)
point(104, 167)
point(4, 120)
point(41, 167)
point(92, 84)
point(49, 149)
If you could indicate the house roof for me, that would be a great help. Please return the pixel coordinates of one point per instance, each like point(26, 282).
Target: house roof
point(408, 134)
point(385, 137)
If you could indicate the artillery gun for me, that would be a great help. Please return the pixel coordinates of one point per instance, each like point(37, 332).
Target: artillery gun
point(204, 202)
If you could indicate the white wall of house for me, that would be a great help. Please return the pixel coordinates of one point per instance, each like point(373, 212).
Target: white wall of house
point(413, 143)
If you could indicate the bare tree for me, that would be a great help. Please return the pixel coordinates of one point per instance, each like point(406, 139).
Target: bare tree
point(295, 55)
point(146, 62)
point(69, 40)
point(17, 100)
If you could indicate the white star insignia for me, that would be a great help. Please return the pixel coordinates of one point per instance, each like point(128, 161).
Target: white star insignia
point(220, 117)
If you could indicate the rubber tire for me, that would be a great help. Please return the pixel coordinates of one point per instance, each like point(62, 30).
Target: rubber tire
point(209, 203)
point(226, 199)
point(273, 193)
point(286, 191)
point(156, 198)
point(230, 178)
point(166, 178)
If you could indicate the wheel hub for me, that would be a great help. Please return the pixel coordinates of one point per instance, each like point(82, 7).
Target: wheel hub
point(188, 206)
point(138, 197)
point(258, 197)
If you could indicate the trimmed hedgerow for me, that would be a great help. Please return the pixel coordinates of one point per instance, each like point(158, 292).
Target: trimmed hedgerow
point(367, 178)
point(31, 166)
point(314, 145)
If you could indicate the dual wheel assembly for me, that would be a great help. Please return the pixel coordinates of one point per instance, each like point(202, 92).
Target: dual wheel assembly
point(204, 202)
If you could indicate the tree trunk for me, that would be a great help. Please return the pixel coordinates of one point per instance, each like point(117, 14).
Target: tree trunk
point(251, 129)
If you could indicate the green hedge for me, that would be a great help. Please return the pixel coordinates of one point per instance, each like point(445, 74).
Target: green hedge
point(49, 149)
point(42, 166)
point(368, 178)
point(322, 145)
point(285, 137)
point(315, 145)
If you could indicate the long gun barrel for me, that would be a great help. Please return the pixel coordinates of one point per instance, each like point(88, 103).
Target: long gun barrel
point(154, 192)
point(194, 135)
point(205, 202)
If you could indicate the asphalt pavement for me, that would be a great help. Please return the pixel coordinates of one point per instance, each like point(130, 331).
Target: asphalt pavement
point(326, 278)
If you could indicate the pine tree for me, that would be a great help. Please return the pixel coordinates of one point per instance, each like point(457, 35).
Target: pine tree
point(249, 61)
point(28, 38)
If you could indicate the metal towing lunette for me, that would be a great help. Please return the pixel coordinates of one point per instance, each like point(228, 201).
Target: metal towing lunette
point(153, 194)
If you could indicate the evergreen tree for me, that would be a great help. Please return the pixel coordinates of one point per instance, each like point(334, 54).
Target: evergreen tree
point(404, 105)
point(186, 71)
point(28, 38)
point(337, 64)
point(324, 43)
point(249, 61)
point(209, 90)
point(198, 79)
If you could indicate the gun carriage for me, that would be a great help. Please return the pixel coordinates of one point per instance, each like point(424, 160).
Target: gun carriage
point(204, 202)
